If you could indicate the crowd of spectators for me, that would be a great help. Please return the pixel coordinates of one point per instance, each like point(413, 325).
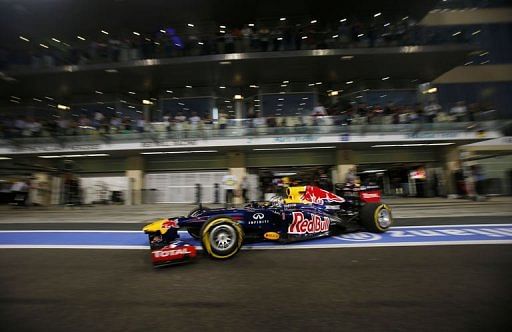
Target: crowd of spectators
point(249, 38)
point(192, 124)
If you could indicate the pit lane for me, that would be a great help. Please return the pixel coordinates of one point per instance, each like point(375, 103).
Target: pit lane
point(426, 288)
point(364, 289)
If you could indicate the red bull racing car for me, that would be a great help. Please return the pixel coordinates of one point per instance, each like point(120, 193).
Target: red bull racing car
point(305, 213)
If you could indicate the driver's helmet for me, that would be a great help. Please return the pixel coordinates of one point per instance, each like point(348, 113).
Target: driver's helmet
point(276, 201)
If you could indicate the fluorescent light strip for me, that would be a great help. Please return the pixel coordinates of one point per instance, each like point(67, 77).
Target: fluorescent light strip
point(301, 148)
point(75, 155)
point(178, 152)
point(410, 145)
point(5, 158)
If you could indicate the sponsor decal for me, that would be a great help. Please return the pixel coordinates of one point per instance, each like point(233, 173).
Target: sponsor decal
point(170, 224)
point(271, 236)
point(258, 222)
point(301, 225)
point(172, 252)
point(319, 196)
point(258, 216)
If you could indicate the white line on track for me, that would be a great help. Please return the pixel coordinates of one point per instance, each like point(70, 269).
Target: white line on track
point(273, 247)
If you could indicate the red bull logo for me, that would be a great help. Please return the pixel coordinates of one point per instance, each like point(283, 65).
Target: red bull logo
point(170, 224)
point(319, 196)
point(301, 225)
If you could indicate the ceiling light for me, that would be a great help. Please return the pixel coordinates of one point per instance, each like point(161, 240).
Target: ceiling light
point(80, 37)
point(131, 92)
point(279, 38)
point(405, 18)
point(222, 26)
point(475, 32)
point(410, 145)
point(222, 87)
point(456, 33)
point(305, 98)
point(283, 85)
point(190, 25)
point(5, 158)
point(286, 82)
point(130, 106)
point(280, 99)
point(15, 97)
point(63, 107)
point(360, 35)
point(385, 78)
point(188, 86)
point(333, 93)
point(349, 82)
point(318, 83)
point(387, 24)
point(311, 84)
point(162, 30)
point(343, 20)
point(238, 97)
point(282, 19)
point(313, 21)
point(104, 32)
point(383, 96)
point(377, 14)
point(253, 86)
point(200, 43)
point(49, 98)
point(56, 40)
point(225, 62)
point(43, 45)
point(347, 57)
point(25, 39)
point(251, 24)
point(15, 101)
point(98, 92)
point(483, 53)
point(304, 37)
point(485, 62)
point(136, 33)
point(111, 70)
point(335, 36)
point(298, 148)
point(169, 91)
point(37, 99)
point(147, 102)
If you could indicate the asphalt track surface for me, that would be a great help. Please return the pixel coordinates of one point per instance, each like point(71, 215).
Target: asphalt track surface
point(431, 288)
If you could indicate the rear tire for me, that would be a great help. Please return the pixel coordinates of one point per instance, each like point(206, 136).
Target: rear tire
point(376, 217)
point(221, 237)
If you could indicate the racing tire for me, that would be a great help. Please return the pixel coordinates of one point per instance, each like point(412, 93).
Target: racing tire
point(221, 237)
point(376, 217)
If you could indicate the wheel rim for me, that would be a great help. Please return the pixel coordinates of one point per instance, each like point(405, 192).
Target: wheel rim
point(222, 238)
point(384, 218)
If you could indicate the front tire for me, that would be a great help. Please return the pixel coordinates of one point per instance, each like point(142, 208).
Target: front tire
point(221, 237)
point(376, 217)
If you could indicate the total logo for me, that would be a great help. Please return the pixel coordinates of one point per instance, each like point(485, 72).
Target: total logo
point(170, 253)
point(359, 237)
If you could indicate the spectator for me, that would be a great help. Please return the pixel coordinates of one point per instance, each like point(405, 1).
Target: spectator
point(431, 111)
point(245, 189)
point(459, 111)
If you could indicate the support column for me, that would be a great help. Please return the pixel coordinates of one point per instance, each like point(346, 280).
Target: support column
point(345, 160)
point(135, 175)
point(40, 192)
point(451, 164)
point(236, 165)
point(239, 108)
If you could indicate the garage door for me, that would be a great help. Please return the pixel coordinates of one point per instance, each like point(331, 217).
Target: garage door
point(180, 187)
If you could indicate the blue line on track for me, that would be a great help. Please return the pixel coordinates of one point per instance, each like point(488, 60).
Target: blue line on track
point(414, 235)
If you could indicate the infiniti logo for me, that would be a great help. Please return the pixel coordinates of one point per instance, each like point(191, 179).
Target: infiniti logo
point(258, 216)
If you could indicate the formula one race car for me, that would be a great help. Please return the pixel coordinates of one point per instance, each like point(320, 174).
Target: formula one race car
point(305, 213)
